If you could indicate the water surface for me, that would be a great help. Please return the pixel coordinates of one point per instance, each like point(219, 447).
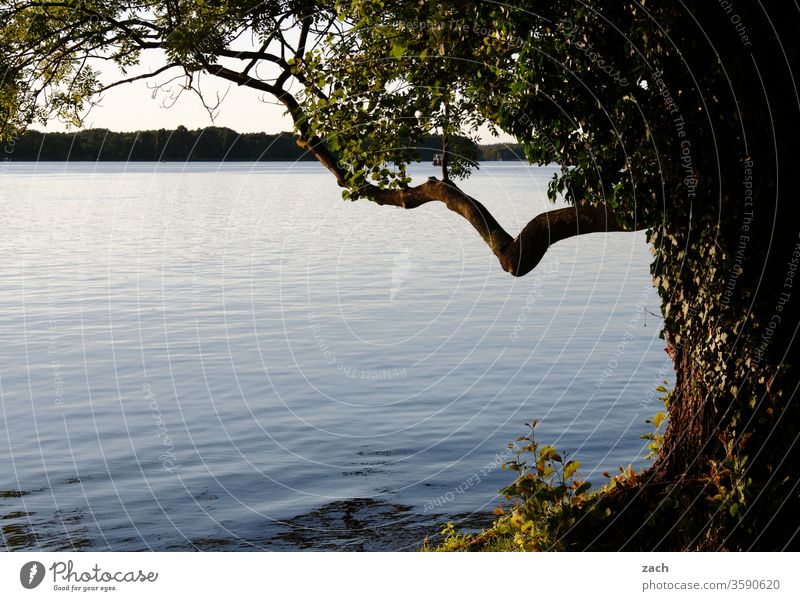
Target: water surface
point(229, 356)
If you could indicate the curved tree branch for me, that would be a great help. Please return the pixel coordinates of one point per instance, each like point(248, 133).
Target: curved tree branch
point(518, 256)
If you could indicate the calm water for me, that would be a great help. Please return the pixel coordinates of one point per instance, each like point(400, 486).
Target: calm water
point(231, 357)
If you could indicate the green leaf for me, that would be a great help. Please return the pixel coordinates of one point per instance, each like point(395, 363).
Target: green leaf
point(398, 49)
point(570, 468)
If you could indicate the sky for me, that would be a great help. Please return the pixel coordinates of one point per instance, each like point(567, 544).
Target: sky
point(136, 106)
point(142, 105)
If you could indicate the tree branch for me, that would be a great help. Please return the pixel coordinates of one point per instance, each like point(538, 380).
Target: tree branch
point(518, 256)
point(138, 77)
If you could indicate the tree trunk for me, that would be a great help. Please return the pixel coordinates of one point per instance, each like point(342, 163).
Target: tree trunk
point(691, 435)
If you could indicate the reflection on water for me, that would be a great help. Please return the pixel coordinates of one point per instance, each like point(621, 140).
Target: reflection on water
point(352, 525)
point(63, 530)
point(228, 356)
point(369, 524)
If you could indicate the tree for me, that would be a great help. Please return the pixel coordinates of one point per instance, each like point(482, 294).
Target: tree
point(673, 119)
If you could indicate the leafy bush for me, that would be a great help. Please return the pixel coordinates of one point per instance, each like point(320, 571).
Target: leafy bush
point(549, 507)
point(656, 437)
point(547, 499)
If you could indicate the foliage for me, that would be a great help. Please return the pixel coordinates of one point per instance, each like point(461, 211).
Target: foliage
point(391, 83)
point(656, 437)
point(547, 494)
point(553, 509)
point(729, 479)
point(57, 57)
point(548, 499)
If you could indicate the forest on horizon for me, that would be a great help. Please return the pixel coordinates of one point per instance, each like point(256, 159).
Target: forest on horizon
point(182, 144)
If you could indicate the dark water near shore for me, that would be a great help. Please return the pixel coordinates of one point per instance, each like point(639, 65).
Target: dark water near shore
point(230, 357)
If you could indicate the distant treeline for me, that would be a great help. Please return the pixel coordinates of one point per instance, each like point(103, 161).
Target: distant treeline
point(181, 144)
point(501, 152)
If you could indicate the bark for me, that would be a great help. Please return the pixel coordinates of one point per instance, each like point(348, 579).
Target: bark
point(518, 256)
point(691, 435)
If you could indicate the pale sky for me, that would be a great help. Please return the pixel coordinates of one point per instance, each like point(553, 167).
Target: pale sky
point(138, 106)
point(134, 106)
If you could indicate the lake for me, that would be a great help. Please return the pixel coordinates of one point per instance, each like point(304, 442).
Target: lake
point(230, 357)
